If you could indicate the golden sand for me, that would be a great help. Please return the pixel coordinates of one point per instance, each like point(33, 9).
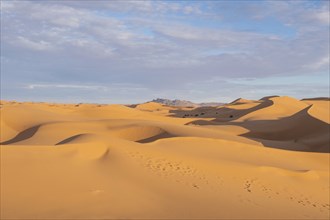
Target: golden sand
point(265, 159)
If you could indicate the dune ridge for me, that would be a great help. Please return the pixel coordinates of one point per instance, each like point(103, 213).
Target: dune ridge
point(151, 161)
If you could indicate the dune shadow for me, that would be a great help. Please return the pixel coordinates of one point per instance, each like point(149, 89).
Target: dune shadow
point(67, 140)
point(23, 135)
point(222, 114)
point(155, 138)
point(317, 99)
point(304, 131)
point(298, 132)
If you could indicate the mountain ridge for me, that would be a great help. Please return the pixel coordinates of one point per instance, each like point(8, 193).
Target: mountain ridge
point(178, 102)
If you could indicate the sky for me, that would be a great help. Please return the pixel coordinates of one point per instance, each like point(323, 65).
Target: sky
point(135, 51)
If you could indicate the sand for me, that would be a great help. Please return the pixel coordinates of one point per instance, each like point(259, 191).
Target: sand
point(263, 159)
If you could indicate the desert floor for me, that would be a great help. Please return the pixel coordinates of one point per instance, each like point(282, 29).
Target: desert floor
point(265, 159)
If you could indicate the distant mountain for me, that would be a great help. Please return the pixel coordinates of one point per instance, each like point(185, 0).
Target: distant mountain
point(177, 102)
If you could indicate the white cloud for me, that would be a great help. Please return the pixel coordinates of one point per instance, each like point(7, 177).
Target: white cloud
point(111, 87)
point(39, 45)
point(7, 5)
point(324, 62)
point(65, 86)
point(323, 17)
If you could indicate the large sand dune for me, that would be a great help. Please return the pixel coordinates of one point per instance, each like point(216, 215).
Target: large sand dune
point(265, 159)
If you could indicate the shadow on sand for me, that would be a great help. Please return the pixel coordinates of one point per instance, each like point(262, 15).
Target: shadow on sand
point(23, 135)
point(298, 132)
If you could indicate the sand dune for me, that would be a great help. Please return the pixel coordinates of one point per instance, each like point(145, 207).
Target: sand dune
point(264, 159)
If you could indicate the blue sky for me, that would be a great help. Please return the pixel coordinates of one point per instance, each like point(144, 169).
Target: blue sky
point(134, 51)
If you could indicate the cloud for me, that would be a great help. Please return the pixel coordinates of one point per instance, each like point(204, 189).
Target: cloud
point(323, 17)
point(29, 44)
point(112, 87)
point(161, 46)
point(66, 86)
